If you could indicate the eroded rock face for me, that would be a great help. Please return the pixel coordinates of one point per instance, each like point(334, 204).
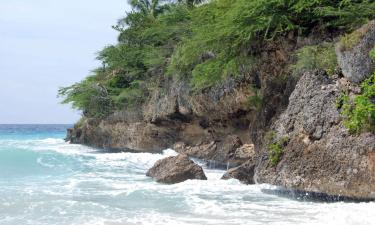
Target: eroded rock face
point(214, 124)
point(137, 136)
point(243, 173)
point(205, 120)
point(320, 156)
point(171, 114)
point(176, 169)
point(231, 150)
point(244, 152)
point(354, 59)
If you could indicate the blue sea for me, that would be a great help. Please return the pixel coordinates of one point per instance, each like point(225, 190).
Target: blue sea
point(44, 180)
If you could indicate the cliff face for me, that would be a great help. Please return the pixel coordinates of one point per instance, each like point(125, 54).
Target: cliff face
point(318, 153)
point(174, 113)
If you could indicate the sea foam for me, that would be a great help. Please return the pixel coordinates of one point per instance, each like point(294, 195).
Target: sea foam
point(48, 181)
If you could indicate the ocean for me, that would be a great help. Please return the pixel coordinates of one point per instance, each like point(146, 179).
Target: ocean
point(46, 181)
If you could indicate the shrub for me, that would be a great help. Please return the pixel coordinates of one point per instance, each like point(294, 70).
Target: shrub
point(372, 54)
point(275, 151)
point(129, 97)
point(316, 57)
point(88, 96)
point(228, 28)
point(146, 41)
point(275, 147)
point(255, 101)
point(359, 112)
point(203, 44)
point(348, 41)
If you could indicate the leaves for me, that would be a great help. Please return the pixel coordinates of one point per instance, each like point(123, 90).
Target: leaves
point(321, 56)
point(202, 41)
point(228, 28)
point(359, 112)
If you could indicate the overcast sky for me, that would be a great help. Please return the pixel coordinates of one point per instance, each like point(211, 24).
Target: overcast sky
point(46, 44)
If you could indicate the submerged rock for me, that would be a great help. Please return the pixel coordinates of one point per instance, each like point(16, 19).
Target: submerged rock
point(353, 53)
point(176, 169)
point(243, 173)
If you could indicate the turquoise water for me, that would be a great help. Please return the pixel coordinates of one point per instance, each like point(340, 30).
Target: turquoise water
point(44, 180)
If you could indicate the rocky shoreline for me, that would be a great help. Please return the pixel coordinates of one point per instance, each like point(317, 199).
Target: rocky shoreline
point(298, 116)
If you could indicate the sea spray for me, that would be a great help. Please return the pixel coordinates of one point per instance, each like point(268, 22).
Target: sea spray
point(48, 181)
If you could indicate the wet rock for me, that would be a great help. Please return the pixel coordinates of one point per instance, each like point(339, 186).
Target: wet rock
point(73, 135)
point(176, 169)
point(243, 173)
point(353, 53)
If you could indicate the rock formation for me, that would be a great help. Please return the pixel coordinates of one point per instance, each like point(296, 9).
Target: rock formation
point(176, 169)
point(243, 173)
point(320, 155)
point(353, 53)
point(297, 115)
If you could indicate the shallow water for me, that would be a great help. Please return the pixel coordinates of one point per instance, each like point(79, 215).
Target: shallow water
point(44, 180)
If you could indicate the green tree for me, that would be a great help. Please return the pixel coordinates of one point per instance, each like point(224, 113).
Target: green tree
point(203, 41)
point(148, 7)
point(191, 3)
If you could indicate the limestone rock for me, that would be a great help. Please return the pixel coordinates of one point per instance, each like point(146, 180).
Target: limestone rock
point(176, 169)
point(320, 156)
point(202, 151)
point(354, 60)
point(246, 151)
point(230, 149)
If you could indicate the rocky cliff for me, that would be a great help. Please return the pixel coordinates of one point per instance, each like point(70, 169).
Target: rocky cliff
point(296, 112)
point(319, 154)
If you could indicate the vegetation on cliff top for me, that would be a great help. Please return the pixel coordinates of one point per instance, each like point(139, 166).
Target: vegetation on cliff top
point(201, 42)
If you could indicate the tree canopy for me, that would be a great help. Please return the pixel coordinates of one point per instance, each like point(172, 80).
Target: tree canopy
point(201, 41)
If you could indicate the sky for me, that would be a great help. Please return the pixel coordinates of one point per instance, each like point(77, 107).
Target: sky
point(47, 44)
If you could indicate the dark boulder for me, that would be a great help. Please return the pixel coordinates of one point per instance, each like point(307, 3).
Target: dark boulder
point(243, 173)
point(176, 169)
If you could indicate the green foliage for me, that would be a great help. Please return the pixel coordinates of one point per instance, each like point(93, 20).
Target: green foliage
point(228, 29)
point(191, 3)
point(204, 43)
point(130, 96)
point(275, 147)
point(255, 101)
point(207, 74)
point(275, 151)
point(359, 112)
point(348, 41)
point(89, 96)
point(342, 99)
point(148, 36)
point(148, 7)
point(316, 57)
point(372, 54)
